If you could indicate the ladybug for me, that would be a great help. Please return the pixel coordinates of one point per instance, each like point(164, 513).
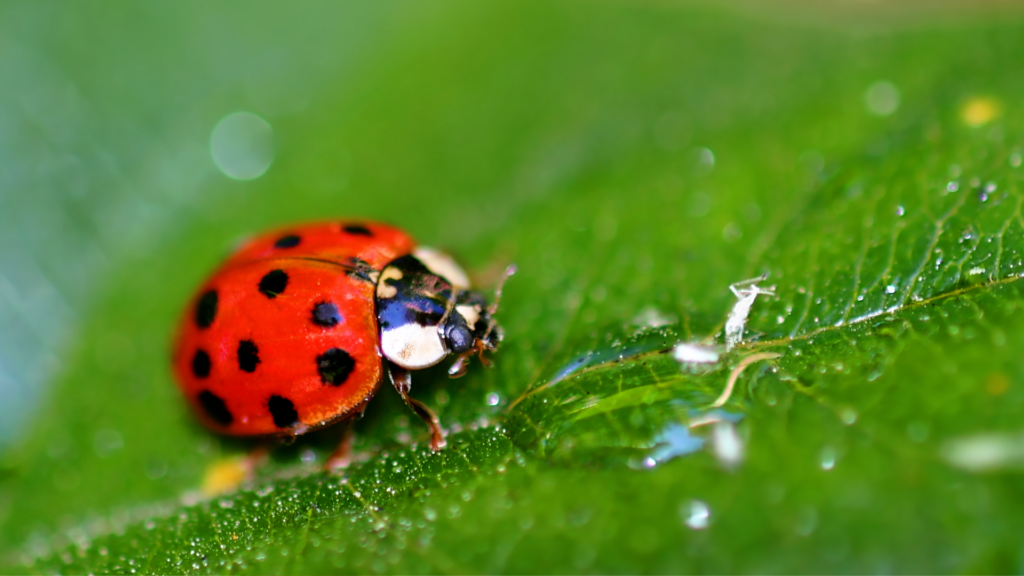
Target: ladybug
point(298, 328)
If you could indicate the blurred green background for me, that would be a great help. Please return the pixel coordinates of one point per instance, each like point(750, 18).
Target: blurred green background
point(634, 159)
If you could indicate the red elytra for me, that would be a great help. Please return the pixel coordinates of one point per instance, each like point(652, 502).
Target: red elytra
point(280, 326)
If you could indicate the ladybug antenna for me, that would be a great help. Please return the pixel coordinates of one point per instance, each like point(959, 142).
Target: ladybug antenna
point(509, 271)
point(447, 311)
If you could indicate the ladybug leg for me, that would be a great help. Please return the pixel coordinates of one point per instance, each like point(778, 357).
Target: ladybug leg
point(402, 379)
point(342, 455)
point(480, 349)
point(458, 368)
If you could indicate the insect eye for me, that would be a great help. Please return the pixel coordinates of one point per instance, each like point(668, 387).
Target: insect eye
point(459, 337)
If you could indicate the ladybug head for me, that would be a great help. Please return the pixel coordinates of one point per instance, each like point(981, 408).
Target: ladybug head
point(426, 312)
point(471, 327)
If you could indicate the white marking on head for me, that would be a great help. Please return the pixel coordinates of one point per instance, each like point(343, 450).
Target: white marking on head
point(412, 346)
point(443, 265)
point(385, 290)
point(471, 313)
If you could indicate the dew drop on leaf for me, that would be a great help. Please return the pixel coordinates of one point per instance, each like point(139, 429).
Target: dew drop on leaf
point(828, 458)
point(696, 514)
point(848, 416)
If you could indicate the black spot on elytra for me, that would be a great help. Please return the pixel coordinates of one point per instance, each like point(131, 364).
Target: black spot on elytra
point(206, 309)
point(215, 407)
point(326, 314)
point(201, 364)
point(334, 366)
point(273, 283)
point(357, 230)
point(283, 411)
point(248, 355)
point(289, 241)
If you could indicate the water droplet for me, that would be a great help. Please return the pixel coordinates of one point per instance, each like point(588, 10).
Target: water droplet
point(651, 317)
point(732, 232)
point(848, 416)
point(704, 160)
point(900, 211)
point(952, 186)
point(890, 289)
point(828, 458)
point(106, 442)
point(493, 399)
point(696, 514)
point(242, 145)
point(699, 204)
point(751, 212)
point(882, 98)
point(674, 441)
point(807, 521)
point(1015, 159)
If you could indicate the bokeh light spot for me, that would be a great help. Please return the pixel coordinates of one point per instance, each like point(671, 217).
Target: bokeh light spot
point(242, 145)
point(979, 111)
point(882, 98)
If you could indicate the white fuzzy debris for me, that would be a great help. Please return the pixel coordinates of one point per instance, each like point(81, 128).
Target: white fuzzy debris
point(746, 291)
point(694, 354)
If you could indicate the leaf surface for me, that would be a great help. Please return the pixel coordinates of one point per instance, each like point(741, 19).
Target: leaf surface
point(634, 161)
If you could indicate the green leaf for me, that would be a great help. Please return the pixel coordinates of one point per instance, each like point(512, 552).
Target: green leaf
point(634, 161)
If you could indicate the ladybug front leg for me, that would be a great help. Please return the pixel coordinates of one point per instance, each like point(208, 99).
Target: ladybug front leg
point(402, 379)
point(342, 455)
